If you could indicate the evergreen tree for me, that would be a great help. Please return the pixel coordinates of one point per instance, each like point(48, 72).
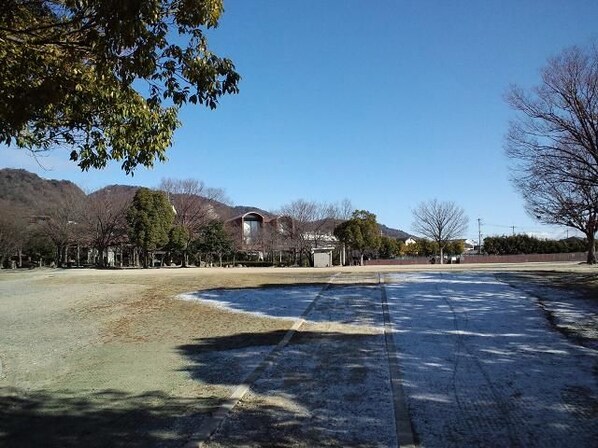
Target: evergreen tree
point(150, 218)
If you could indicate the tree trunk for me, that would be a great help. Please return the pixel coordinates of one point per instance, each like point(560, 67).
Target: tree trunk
point(441, 254)
point(58, 256)
point(100, 259)
point(591, 248)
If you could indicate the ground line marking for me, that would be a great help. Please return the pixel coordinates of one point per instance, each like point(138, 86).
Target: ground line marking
point(405, 437)
point(213, 423)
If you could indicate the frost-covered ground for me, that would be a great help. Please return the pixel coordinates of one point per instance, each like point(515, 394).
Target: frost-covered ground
point(483, 367)
point(287, 302)
point(575, 314)
point(330, 386)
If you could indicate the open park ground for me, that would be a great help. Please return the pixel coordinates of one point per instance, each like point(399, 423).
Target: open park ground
point(435, 356)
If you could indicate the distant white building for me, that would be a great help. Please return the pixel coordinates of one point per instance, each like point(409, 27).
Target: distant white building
point(470, 245)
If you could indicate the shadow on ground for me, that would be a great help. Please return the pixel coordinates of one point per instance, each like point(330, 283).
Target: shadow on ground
point(328, 387)
point(102, 419)
point(238, 355)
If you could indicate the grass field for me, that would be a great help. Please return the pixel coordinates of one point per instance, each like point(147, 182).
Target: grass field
point(102, 358)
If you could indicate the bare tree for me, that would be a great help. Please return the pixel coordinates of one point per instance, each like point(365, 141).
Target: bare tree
point(105, 218)
point(12, 224)
point(553, 143)
point(313, 224)
point(341, 211)
point(440, 221)
point(553, 200)
point(195, 205)
point(63, 224)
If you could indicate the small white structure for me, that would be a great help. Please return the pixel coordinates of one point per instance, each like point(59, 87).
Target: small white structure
point(322, 256)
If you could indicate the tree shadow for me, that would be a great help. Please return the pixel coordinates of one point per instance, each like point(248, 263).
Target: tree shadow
point(100, 419)
point(568, 301)
point(329, 386)
point(239, 354)
point(323, 388)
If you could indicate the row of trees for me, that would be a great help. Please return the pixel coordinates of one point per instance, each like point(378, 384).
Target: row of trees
point(391, 248)
point(524, 244)
point(183, 219)
point(182, 222)
point(142, 220)
point(442, 222)
point(154, 223)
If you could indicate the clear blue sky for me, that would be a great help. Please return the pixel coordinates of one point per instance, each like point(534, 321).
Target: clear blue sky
point(386, 103)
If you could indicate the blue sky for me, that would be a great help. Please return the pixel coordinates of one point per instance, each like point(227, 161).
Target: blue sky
point(386, 103)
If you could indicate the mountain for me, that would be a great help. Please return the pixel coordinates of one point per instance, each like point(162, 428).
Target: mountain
point(24, 189)
point(393, 233)
point(222, 210)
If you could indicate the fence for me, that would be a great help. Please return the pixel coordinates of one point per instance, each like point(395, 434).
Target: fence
point(465, 259)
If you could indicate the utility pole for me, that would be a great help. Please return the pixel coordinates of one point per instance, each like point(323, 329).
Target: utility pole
point(479, 236)
point(513, 227)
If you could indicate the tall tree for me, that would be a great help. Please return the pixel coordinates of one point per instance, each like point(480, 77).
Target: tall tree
point(553, 143)
point(63, 223)
point(106, 78)
point(440, 221)
point(178, 242)
point(194, 204)
point(214, 240)
point(150, 218)
point(106, 220)
point(389, 247)
point(360, 233)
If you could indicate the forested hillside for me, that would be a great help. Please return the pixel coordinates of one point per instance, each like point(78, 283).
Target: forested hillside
point(21, 188)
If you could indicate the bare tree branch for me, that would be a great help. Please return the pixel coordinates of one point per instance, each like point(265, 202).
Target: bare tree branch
point(440, 221)
point(553, 143)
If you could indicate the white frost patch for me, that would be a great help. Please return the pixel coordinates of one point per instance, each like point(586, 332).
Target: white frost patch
point(286, 302)
point(432, 397)
point(485, 335)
